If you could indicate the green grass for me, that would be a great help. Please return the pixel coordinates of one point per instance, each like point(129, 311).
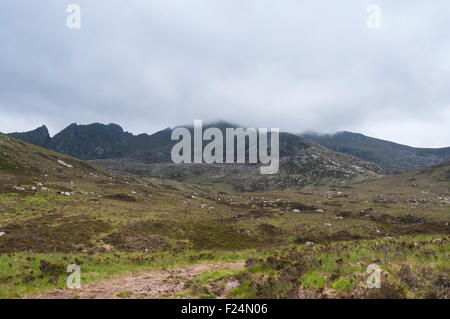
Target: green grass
point(162, 227)
point(314, 280)
point(14, 269)
point(185, 293)
point(245, 291)
point(211, 276)
point(125, 294)
point(344, 284)
point(415, 266)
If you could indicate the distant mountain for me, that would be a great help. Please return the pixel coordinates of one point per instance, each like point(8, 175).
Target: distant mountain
point(388, 155)
point(39, 136)
point(301, 161)
point(91, 141)
point(100, 141)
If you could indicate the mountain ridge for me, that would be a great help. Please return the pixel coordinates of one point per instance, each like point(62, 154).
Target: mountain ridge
point(302, 162)
point(389, 155)
point(99, 141)
point(39, 136)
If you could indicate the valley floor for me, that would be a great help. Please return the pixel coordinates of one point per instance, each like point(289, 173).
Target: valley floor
point(313, 242)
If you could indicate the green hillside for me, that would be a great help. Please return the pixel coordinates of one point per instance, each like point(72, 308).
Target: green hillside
point(313, 240)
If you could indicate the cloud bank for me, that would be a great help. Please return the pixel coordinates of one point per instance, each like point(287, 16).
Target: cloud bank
point(294, 64)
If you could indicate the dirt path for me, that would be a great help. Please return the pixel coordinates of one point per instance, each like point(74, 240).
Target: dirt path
point(156, 284)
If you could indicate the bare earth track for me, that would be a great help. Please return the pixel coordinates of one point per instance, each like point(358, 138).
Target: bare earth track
point(157, 284)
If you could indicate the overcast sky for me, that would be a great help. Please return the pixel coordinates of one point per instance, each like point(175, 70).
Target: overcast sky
point(293, 64)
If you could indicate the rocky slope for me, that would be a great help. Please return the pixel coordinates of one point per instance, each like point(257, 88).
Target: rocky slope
point(390, 156)
point(39, 136)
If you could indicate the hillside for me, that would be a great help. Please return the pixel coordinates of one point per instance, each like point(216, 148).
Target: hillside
point(26, 163)
point(306, 166)
point(388, 155)
point(56, 210)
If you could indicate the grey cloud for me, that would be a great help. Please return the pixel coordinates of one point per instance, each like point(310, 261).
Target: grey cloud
point(297, 65)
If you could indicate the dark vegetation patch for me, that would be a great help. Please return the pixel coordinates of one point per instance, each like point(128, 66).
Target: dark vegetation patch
point(52, 233)
point(302, 207)
point(345, 214)
point(384, 218)
point(128, 242)
point(168, 187)
point(341, 196)
point(275, 204)
point(288, 268)
point(270, 230)
point(6, 279)
point(445, 176)
point(445, 164)
point(410, 219)
point(407, 224)
point(388, 290)
point(328, 271)
point(52, 270)
point(121, 197)
point(294, 205)
point(7, 186)
point(33, 271)
point(366, 212)
point(149, 227)
point(422, 228)
point(333, 203)
point(383, 200)
point(199, 235)
point(253, 214)
point(234, 204)
point(45, 156)
point(85, 165)
point(442, 284)
point(407, 277)
point(8, 165)
point(320, 237)
point(343, 235)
